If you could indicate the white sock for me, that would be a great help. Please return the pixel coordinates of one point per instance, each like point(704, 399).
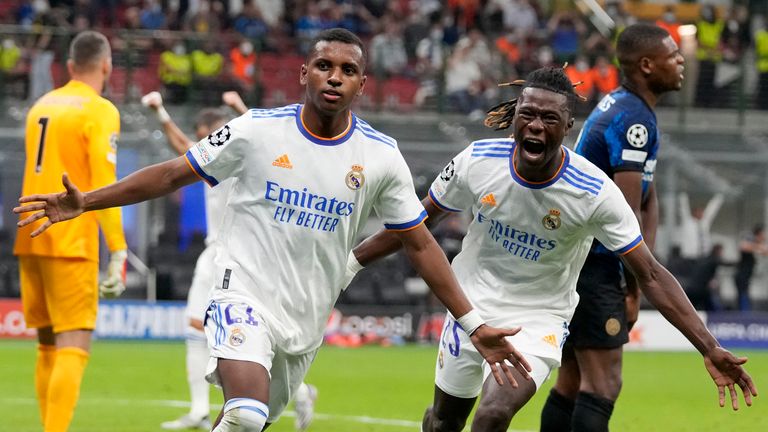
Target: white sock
point(197, 361)
point(243, 415)
point(302, 393)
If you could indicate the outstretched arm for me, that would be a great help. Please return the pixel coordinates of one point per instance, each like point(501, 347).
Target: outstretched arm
point(150, 182)
point(664, 292)
point(431, 263)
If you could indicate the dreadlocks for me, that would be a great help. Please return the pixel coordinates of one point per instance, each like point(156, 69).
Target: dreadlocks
point(548, 78)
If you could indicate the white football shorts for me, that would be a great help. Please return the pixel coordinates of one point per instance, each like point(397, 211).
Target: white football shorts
point(460, 370)
point(236, 332)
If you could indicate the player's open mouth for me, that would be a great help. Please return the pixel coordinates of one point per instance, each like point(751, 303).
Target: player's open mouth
point(533, 147)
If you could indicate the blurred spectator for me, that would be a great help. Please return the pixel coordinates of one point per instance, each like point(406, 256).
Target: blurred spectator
point(243, 64)
point(580, 72)
point(605, 76)
point(464, 12)
point(761, 54)
point(430, 60)
point(250, 23)
point(207, 68)
point(566, 29)
point(708, 30)
point(152, 16)
point(463, 83)
point(315, 19)
point(26, 13)
point(387, 50)
point(695, 225)
point(41, 59)
point(207, 18)
point(13, 73)
point(669, 22)
point(175, 72)
point(734, 41)
point(749, 246)
point(510, 48)
point(107, 9)
point(416, 28)
point(703, 289)
point(272, 11)
point(517, 16)
point(598, 45)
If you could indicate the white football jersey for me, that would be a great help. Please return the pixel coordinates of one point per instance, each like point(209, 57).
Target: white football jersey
point(527, 242)
point(295, 210)
point(215, 203)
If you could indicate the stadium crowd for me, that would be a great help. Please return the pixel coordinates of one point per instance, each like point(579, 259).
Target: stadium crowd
point(421, 52)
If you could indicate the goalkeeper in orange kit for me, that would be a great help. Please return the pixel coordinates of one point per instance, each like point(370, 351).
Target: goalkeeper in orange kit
point(71, 130)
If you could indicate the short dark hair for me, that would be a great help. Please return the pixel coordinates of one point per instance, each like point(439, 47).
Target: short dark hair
point(338, 35)
point(209, 117)
point(638, 40)
point(87, 49)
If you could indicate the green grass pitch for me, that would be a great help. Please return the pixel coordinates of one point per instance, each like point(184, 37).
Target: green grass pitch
point(133, 386)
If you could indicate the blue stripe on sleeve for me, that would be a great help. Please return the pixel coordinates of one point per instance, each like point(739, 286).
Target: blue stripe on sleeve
point(407, 225)
point(568, 178)
point(195, 166)
point(630, 246)
point(440, 205)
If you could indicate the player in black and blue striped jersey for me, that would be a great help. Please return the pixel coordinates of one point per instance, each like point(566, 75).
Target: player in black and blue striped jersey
point(621, 137)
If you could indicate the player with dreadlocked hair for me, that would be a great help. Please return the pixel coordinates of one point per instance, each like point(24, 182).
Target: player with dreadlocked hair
point(536, 207)
point(500, 116)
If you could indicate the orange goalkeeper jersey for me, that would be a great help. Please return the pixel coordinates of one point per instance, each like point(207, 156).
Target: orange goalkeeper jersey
point(71, 130)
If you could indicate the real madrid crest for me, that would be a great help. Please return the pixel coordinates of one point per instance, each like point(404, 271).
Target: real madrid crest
point(552, 220)
point(237, 337)
point(355, 178)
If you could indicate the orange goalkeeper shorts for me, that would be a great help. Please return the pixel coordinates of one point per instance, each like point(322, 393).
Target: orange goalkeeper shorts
point(59, 292)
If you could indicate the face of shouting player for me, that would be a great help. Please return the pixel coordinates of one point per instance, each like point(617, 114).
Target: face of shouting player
point(333, 76)
point(542, 119)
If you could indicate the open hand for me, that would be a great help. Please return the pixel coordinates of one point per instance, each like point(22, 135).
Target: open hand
point(726, 370)
point(57, 207)
point(497, 351)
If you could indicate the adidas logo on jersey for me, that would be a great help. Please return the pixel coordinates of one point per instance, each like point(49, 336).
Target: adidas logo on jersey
point(283, 162)
point(550, 339)
point(488, 199)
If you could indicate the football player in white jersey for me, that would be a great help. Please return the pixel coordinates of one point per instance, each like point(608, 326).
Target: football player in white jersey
point(536, 208)
point(207, 121)
point(307, 178)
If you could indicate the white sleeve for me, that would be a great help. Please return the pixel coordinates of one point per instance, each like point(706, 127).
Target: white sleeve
point(220, 155)
point(614, 223)
point(397, 204)
point(449, 191)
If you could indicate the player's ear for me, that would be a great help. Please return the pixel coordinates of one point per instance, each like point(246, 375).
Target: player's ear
point(362, 85)
point(70, 67)
point(303, 75)
point(646, 65)
point(569, 125)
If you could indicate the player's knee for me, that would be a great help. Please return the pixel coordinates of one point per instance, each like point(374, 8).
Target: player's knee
point(243, 415)
point(494, 416)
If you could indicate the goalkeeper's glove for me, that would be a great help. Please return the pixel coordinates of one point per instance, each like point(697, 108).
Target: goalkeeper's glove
point(353, 266)
point(114, 284)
